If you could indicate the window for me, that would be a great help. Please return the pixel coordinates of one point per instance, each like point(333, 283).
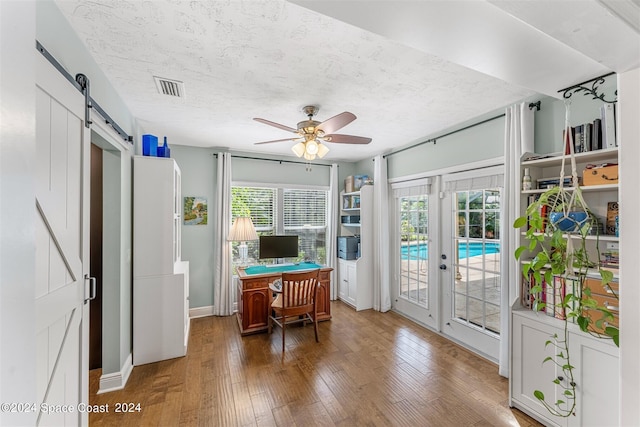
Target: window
point(277, 211)
point(477, 287)
point(414, 241)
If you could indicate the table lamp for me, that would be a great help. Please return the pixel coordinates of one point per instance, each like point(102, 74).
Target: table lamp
point(242, 231)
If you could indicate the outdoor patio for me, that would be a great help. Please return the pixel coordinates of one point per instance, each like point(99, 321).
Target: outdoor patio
point(477, 288)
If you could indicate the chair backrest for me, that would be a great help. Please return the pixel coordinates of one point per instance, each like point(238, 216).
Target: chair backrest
point(299, 289)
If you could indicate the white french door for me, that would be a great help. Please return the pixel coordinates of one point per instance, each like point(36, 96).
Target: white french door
point(416, 292)
point(62, 249)
point(471, 278)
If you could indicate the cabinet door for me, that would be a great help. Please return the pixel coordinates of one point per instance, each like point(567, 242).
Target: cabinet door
point(343, 280)
point(529, 373)
point(597, 380)
point(256, 308)
point(353, 283)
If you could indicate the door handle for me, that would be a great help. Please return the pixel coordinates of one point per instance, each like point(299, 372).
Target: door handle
point(92, 288)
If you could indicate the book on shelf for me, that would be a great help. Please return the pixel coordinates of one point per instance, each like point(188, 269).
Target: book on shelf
point(549, 298)
point(559, 292)
point(596, 136)
point(552, 295)
point(612, 215)
point(608, 118)
point(586, 137)
point(544, 212)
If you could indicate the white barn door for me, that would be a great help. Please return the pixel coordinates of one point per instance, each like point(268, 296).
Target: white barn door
point(62, 195)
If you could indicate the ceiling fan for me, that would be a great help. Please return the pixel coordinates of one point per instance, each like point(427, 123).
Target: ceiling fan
point(311, 134)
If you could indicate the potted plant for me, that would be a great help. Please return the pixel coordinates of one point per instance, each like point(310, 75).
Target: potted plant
point(558, 225)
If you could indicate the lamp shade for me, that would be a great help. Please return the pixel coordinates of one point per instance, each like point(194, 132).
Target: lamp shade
point(298, 149)
point(243, 230)
point(322, 150)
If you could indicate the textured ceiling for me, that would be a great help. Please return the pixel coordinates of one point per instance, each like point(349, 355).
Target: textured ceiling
point(244, 59)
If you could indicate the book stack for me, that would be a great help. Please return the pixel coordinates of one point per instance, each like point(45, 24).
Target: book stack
point(610, 258)
point(596, 135)
point(546, 183)
point(549, 297)
point(543, 213)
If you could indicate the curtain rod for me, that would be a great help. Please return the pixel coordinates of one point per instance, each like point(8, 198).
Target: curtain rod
point(81, 82)
point(446, 134)
point(276, 160)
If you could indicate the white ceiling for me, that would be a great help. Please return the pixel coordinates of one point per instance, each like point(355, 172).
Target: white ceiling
point(407, 69)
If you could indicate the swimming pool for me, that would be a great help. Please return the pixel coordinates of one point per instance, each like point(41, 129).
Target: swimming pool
point(465, 249)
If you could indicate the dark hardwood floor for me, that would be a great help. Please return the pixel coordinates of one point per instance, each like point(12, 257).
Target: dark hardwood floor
point(369, 368)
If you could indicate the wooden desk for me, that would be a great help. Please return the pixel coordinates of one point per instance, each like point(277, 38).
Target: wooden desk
point(254, 295)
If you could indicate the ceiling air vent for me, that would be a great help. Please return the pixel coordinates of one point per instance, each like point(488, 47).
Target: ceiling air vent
point(169, 87)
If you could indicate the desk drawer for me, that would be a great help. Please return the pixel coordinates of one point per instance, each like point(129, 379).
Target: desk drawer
point(261, 282)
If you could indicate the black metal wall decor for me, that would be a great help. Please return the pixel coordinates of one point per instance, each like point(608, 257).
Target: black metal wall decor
point(593, 90)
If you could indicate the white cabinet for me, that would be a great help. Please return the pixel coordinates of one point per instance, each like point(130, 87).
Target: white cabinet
point(351, 289)
point(355, 277)
point(160, 277)
point(596, 372)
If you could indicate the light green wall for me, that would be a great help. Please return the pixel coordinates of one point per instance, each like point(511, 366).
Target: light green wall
point(198, 169)
point(270, 172)
point(481, 142)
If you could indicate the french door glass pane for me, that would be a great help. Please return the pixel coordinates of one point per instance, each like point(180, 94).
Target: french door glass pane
point(413, 214)
point(477, 259)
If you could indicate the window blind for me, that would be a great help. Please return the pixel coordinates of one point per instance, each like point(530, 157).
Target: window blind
point(305, 208)
point(259, 203)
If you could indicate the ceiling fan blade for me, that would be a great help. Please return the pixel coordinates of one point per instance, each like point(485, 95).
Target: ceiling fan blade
point(346, 139)
point(336, 122)
point(276, 140)
point(274, 124)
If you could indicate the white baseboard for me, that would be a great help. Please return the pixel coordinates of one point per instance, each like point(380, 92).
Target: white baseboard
point(201, 312)
point(206, 311)
point(116, 380)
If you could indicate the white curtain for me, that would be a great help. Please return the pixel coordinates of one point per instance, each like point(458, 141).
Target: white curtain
point(332, 228)
point(222, 274)
point(381, 261)
point(518, 139)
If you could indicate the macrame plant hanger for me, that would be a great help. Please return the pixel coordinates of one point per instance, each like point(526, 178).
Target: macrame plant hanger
point(570, 199)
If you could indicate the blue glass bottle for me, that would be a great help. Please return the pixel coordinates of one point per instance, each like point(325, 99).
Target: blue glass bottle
point(164, 150)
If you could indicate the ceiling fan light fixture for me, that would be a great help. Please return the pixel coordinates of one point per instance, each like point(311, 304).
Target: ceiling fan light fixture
point(312, 135)
point(322, 150)
point(299, 149)
point(312, 147)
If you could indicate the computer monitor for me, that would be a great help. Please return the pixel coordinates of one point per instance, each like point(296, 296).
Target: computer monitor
point(278, 247)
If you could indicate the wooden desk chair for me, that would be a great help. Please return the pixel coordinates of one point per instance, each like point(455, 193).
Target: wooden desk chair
point(297, 300)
